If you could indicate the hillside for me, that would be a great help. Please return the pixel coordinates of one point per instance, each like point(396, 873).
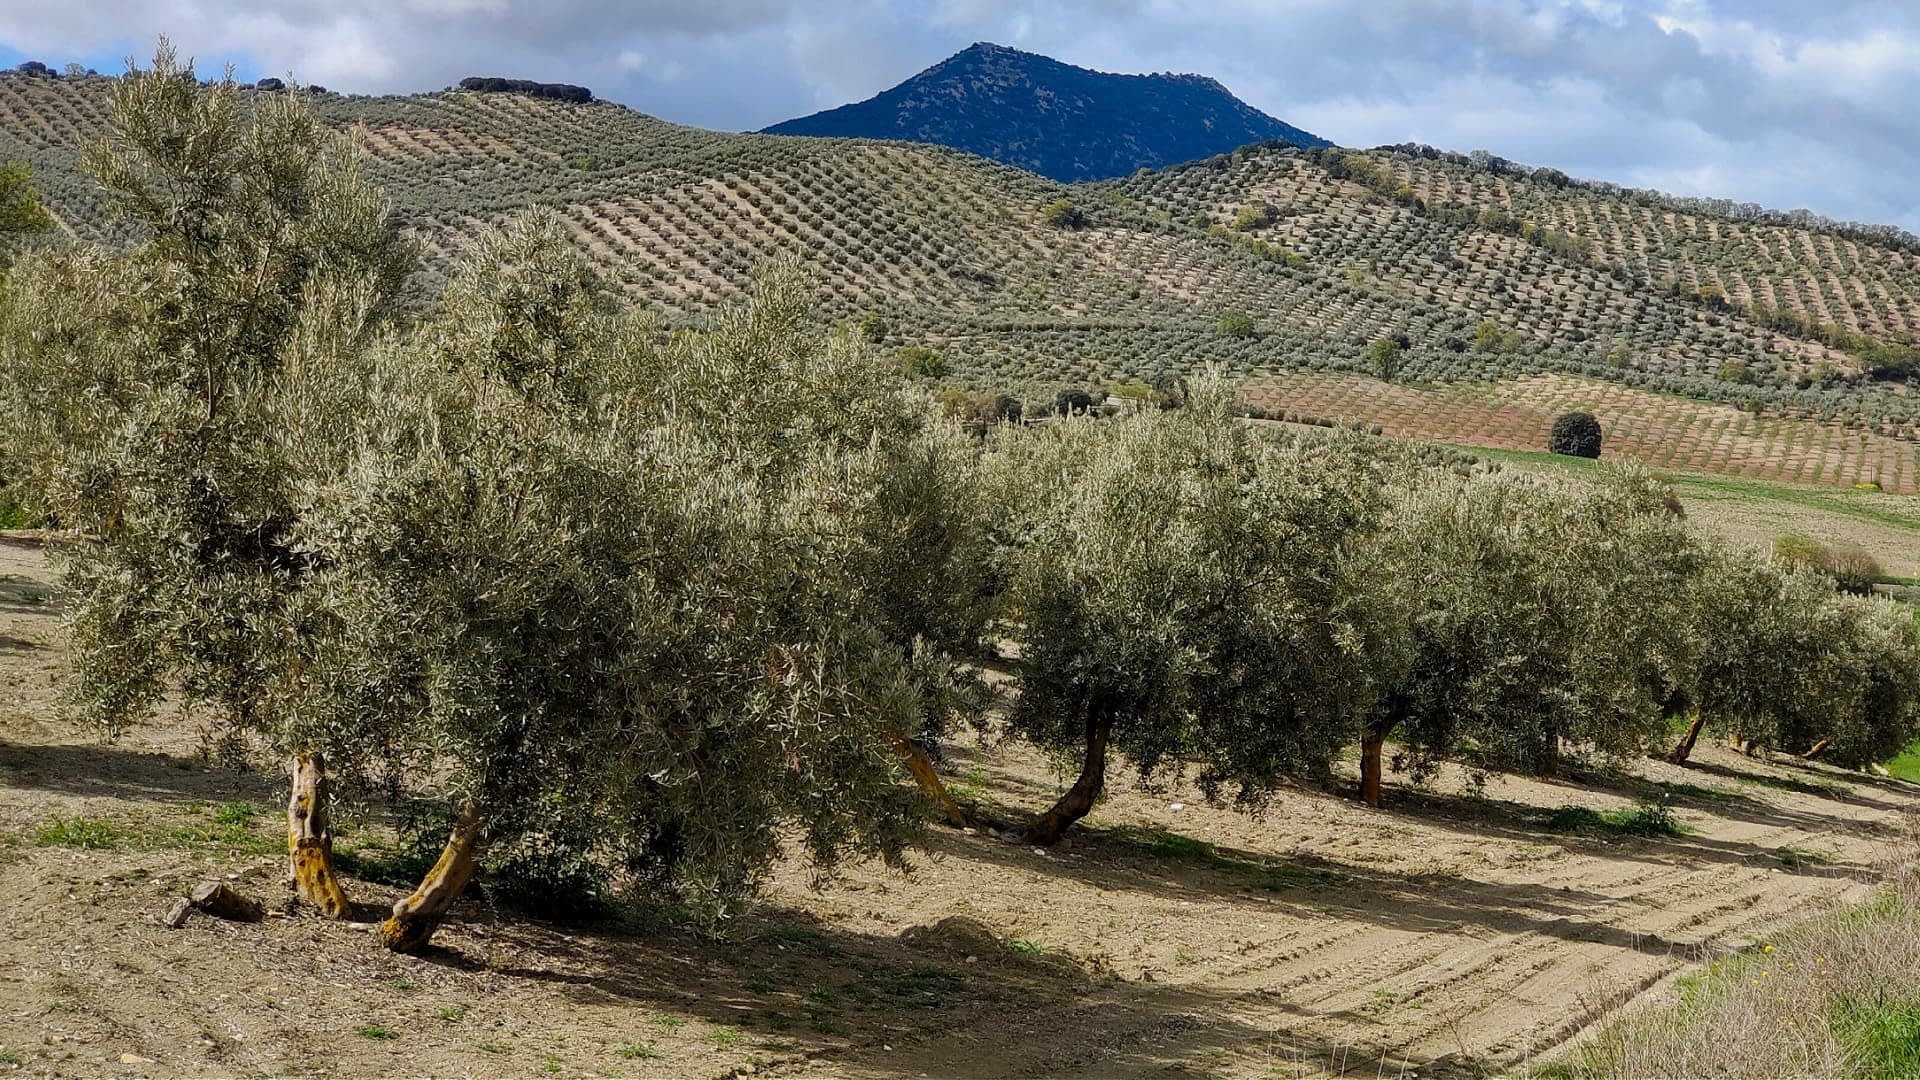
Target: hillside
point(1055, 119)
point(1489, 274)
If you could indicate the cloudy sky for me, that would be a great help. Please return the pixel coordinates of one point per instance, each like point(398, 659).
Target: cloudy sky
point(1784, 102)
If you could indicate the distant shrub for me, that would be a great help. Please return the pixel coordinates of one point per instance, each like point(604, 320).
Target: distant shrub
point(1062, 214)
point(1853, 567)
point(1576, 434)
point(270, 84)
point(1072, 400)
point(1384, 357)
point(1236, 324)
point(920, 362)
point(1256, 217)
point(872, 327)
point(1799, 551)
point(485, 84)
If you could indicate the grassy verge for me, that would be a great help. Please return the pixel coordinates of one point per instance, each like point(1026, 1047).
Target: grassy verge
point(1907, 765)
point(1837, 995)
point(1900, 511)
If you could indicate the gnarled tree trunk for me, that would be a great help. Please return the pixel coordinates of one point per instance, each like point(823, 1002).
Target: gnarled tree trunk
point(1817, 749)
point(1079, 798)
point(1370, 746)
point(1685, 748)
point(309, 840)
point(415, 918)
point(921, 766)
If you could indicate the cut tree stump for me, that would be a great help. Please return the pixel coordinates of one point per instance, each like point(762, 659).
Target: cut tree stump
point(310, 841)
point(222, 901)
point(177, 916)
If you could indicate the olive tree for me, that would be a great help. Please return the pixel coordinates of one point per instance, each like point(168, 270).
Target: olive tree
point(632, 595)
point(155, 395)
point(1534, 615)
point(1181, 587)
point(1773, 662)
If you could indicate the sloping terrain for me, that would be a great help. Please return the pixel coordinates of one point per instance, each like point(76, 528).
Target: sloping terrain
point(1486, 273)
point(1456, 932)
point(1055, 119)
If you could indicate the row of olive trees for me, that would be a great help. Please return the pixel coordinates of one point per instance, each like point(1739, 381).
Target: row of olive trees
point(655, 600)
point(1189, 593)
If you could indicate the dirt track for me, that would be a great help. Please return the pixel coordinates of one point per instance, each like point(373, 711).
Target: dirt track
point(1448, 933)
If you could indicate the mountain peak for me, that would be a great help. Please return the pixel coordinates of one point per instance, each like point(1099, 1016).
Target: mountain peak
point(1066, 122)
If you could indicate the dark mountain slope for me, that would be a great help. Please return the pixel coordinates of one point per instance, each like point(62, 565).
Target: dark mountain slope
point(1055, 119)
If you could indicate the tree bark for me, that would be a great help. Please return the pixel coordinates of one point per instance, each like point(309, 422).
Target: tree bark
point(1079, 798)
point(415, 918)
point(1370, 745)
point(921, 766)
point(309, 840)
point(1817, 749)
point(1685, 749)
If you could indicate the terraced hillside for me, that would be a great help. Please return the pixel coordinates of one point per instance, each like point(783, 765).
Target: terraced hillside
point(1486, 273)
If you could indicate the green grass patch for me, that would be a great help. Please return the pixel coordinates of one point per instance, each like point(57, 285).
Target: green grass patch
point(228, 826)
point(1793, 858)
point(1027, 948)
point(638, 1052)
point(94, 834)
point(15, 516)
point(378, 1033)
point(1647, 819)
point(1884, 1035)
point(1906, 766)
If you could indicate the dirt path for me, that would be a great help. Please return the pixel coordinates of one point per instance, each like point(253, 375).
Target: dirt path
point(1450, 933)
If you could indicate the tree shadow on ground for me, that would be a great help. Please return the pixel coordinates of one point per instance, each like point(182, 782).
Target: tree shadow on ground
point(948, 999)
point(104, 771)
point(14, 644)
point(1176, 867)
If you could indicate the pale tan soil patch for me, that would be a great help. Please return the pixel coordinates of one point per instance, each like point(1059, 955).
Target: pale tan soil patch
point(1446, 934)
point(1657, 429)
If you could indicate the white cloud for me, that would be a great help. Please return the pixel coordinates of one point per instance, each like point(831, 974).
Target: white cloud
point(1781, 101)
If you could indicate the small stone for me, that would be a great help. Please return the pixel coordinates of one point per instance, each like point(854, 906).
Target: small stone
point(177, 916)
point(1176, 807)
point(135, 1059)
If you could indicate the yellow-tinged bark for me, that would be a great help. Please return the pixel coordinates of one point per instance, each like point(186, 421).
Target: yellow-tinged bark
point(310, 841)
point(921, 766)
point(415, 918)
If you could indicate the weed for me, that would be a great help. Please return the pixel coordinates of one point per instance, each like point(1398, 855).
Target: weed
point(1028, 948)
point(820, 995)
point(666, 1021)
point(451, 1012)
point(725, 1036)
point(551, 1065)
point(491, 1048)
point(1650, 818)
point(638, 1052)
point(378, 1033)
point(97, 834)
point(1794, 858)
point(759, 984)
point(8, 1056)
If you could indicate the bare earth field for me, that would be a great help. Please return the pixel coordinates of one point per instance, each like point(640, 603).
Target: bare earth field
point(1450, 934)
